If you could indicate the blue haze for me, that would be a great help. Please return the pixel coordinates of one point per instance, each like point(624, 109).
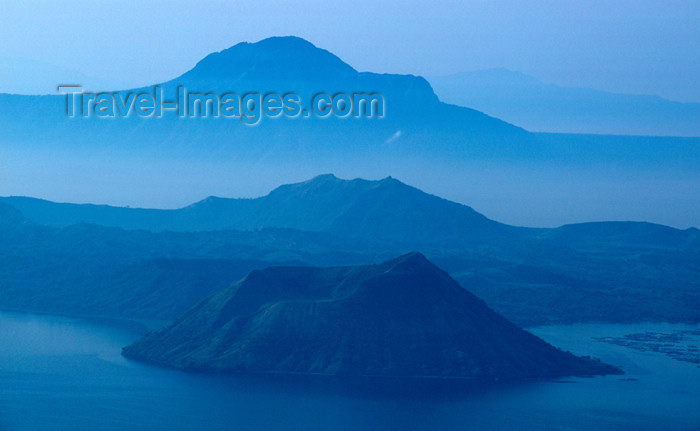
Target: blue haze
point(641, 47)
point(64, 374)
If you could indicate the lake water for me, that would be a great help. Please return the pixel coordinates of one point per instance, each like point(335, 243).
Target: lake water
point(67, 374)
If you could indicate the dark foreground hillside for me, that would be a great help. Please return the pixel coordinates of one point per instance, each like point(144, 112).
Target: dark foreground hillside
point(146, 264)
point(401, 318)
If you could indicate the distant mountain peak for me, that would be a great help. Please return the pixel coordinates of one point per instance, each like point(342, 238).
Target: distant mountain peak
point(362, 209)
point(283, 42)
point(332, 180)
point(413, 261)
point(323, 178)
point(391, 182)
point(289, 63)
point(274, 58)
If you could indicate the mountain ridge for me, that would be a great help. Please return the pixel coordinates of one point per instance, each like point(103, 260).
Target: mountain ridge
point(292, 64)
point(10, 216)
point(265, 58)
point(133, 159)
point(543, 107)
point(355, 208)
point(401, 318)
point(533, 276)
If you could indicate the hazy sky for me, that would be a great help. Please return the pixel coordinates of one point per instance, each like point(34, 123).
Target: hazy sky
point(636, 46)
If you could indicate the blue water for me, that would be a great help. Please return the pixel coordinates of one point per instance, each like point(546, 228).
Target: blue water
point(65, 374)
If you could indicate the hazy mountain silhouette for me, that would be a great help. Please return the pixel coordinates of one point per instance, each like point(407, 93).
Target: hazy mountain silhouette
point(537, 106)
point(384, 210)
point(283, 64)
point(274, 60)
point(172, 160)
point(581, 272)
point(10, 216)
point(404, 318)
point(161, 289)
point(90, 270)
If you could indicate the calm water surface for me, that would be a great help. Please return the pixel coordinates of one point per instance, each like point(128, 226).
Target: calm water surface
point(67, 374)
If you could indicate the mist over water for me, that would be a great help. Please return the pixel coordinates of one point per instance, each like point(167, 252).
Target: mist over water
point(66, 374)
